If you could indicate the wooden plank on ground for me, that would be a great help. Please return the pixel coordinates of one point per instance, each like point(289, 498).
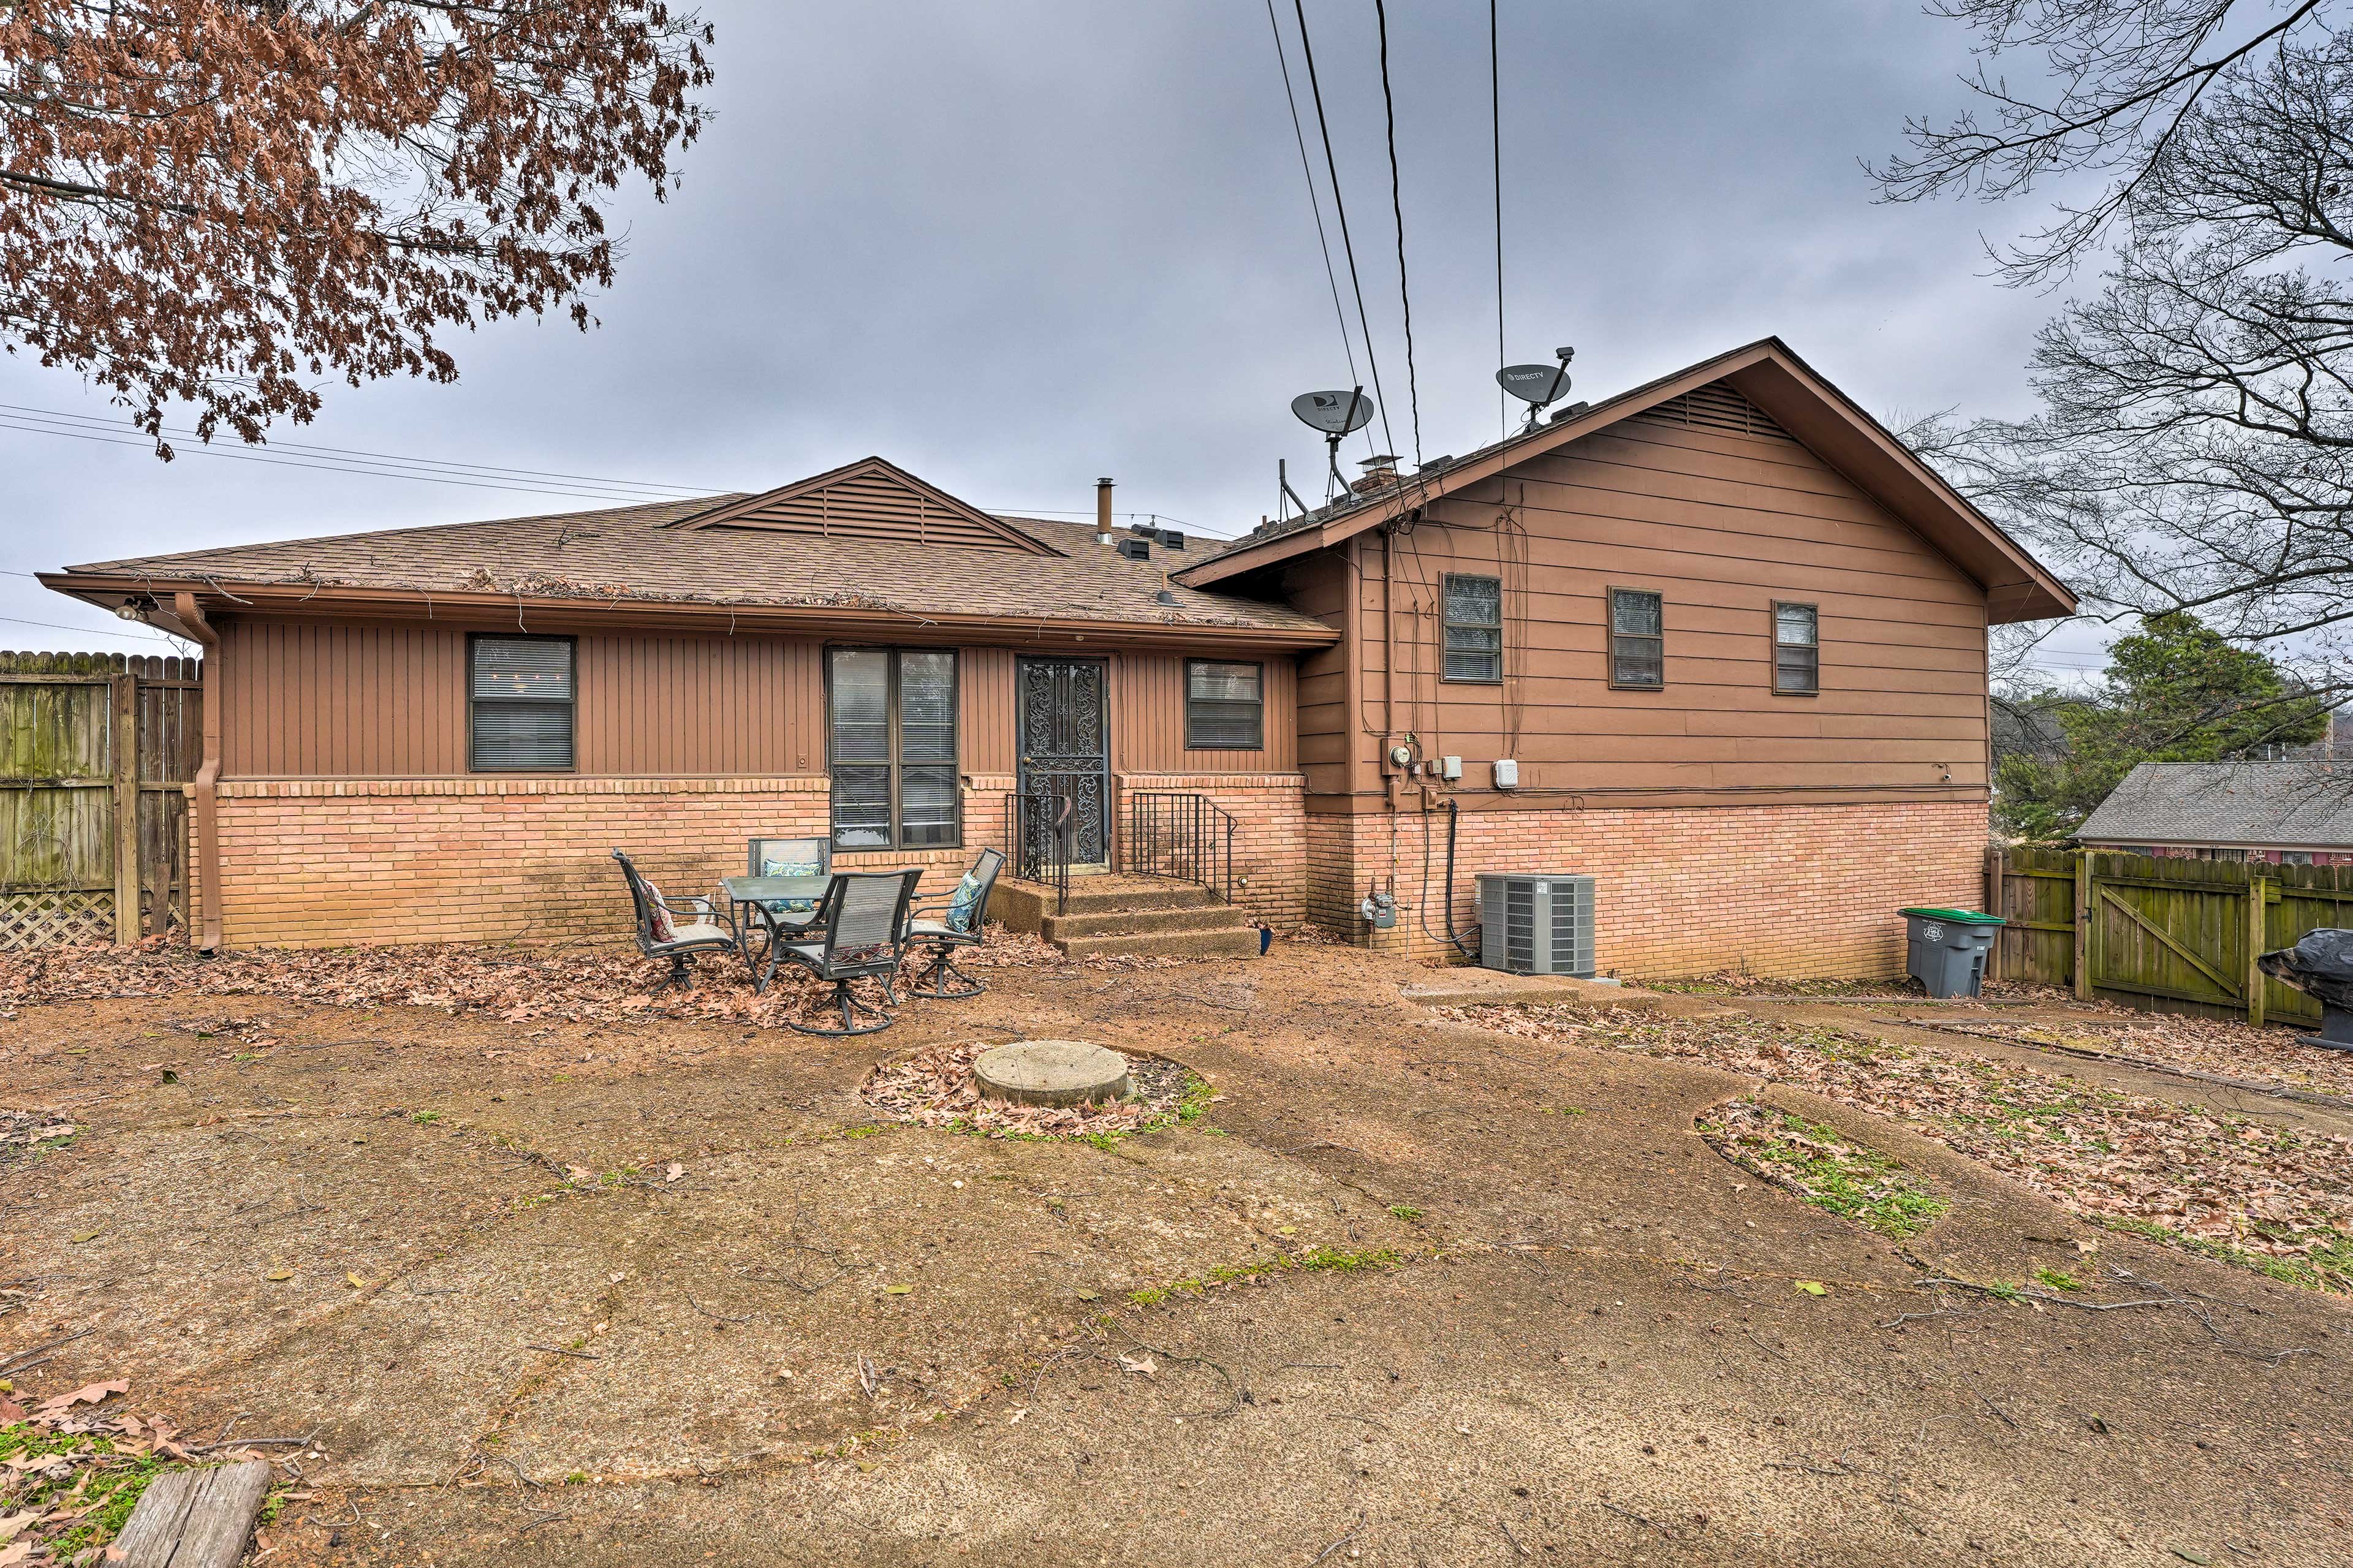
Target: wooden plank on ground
point(196, 1519)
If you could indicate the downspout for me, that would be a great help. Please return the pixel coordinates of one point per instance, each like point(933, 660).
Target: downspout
point(204, 795)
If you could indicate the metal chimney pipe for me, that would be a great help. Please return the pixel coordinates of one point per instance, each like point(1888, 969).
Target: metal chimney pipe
point(1102, 511)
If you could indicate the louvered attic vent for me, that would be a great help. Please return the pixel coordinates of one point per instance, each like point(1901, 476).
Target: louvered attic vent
point(870, 500)
point(1716, 406)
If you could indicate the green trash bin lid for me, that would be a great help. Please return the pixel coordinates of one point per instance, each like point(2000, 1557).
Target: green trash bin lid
point(1957, 917)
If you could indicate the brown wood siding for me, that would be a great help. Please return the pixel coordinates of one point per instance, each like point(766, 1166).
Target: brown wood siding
point(1148, 719)
point(388, 700)
point(1318, 585)
point(1721, 525)
point(984, 737)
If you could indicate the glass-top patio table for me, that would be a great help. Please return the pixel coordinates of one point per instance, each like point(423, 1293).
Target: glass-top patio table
point(748, 898)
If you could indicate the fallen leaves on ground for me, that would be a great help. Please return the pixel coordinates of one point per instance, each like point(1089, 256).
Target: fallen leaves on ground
point(24, 1132)
point(580, 982)
point(2213, 1045)
point(2222, 1182)
point(1823, 1168)
point(936, 1088)
point(71, 1472)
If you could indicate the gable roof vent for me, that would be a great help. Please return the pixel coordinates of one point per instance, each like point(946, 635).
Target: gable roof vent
point(1719, 407)
point(1135, 549)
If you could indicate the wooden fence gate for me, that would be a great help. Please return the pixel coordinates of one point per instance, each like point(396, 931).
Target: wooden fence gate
point(2168, 934)
point(94, 751)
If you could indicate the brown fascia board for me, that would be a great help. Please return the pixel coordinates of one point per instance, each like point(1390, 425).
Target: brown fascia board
point(1771, 375)
point(105, 591)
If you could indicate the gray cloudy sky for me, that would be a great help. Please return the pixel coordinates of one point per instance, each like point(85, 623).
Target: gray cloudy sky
point(1012, 246)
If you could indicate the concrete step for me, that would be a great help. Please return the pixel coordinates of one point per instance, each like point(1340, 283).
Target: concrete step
point(1125, 923)
point(1025, 905)
point(1223, 943)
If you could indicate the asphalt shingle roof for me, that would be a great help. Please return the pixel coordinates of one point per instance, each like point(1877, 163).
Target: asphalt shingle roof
point(2259, 804)
point(630, 554)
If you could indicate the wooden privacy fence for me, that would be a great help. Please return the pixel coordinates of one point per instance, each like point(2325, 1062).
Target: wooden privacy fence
point(2172, 935)
point(94, 751)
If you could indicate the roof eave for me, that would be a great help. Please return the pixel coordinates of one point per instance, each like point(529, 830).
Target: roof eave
point(106, 591)
point(1770, 375)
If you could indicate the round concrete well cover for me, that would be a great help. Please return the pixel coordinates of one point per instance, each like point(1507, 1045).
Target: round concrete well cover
point(1051, 1072)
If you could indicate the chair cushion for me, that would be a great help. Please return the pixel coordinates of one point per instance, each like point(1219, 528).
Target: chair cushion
point(776, 867)
point(962, 915)
point(660, 926)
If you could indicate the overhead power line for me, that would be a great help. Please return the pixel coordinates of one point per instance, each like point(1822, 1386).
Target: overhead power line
point(1495, 125)
point(1340, 207)
point(1397, 207)
point(91, 631)
point(1314, 203)
point(333, 460)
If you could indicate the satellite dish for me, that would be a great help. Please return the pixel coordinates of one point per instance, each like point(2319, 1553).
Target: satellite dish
point(1533, 384)
point(1334, 413)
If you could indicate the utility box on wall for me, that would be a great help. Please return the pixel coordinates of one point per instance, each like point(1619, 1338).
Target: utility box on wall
point(1536, 924)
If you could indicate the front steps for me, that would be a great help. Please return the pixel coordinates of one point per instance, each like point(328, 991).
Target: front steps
point(1112, 914)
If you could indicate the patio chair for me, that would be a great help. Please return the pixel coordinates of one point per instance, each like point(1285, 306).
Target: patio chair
point(661, 934)
point(957, 925)
point(789, 857)
point(859, 932)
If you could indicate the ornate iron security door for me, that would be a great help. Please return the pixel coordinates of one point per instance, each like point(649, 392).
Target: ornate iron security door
point(1066, 746)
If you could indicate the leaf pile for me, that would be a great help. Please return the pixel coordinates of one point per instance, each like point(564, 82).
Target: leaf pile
point(1822, 1168)
point(935, 1088)
point(581, 982)
point(2272, 1193)
point(2166, 1039)
point(71, 1472)
point(1738, 983)
point(573, 982)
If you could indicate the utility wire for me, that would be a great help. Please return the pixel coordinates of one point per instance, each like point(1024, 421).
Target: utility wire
point(1347, 246)
point(491, 471)
point(1495, 122)
point(91, 631)
point(54, 427)
point(1397, 207)
point(1314, 203)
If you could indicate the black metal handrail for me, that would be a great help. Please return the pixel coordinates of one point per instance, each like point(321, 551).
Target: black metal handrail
point(1186, 837)
point(1044, 831)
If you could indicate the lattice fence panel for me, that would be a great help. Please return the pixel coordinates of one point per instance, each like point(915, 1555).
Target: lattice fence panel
point(55, 919)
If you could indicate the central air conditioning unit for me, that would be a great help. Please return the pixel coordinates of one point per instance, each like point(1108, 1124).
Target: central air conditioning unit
point(1531, 924)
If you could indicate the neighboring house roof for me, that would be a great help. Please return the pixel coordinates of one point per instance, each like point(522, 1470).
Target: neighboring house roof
point(2256, 804)
point(1768, 374)
point(866, 547)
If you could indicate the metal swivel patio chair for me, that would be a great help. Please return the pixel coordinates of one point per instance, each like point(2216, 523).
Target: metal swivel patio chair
point(957, 925)
point(789, 857)
point(859, 932)
point(662, 934)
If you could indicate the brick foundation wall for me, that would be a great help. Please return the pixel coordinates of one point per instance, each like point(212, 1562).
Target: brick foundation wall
point(1270, 834)
point(333, 862)
point(1790, 891)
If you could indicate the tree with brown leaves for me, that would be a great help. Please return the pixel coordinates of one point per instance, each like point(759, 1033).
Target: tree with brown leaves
point(227, 202)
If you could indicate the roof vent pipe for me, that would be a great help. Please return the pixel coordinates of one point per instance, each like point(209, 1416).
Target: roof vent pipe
point(1102, 511)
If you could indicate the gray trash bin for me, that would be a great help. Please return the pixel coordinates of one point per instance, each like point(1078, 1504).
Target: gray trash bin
point(1944, 949)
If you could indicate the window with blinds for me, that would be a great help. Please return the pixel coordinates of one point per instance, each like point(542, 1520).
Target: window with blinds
point(1474, 619)
point(519, 704)
point(892, 740)
point(1797, 649)
point(1225, 706)
point(1638, 641)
